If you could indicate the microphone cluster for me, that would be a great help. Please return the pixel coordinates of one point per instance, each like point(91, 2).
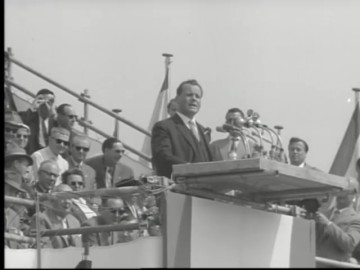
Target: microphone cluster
point(239, 127)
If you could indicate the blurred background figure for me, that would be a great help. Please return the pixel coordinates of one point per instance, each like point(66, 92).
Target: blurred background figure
point(81, 208)
point(37, 119)
point(113, 211)
point(172, 107)
point(338, 229)
point(18, 162)
point(12, 123)
point(231, 147)
point(57, 215)
point(14, 213)
point(58, 144)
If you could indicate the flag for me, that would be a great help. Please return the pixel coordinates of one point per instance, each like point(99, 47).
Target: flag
point(159, 113)
point(349, 150)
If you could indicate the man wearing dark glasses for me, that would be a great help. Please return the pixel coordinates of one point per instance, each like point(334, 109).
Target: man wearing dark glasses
point(38, 118)
point(58, 144)
point(66, 116)
point(79, 148)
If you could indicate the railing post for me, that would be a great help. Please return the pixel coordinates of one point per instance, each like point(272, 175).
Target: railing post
point(8, 77)
point(116, 128)
point(86, 109)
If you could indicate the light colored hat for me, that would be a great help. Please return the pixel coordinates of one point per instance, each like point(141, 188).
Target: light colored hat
point(14, 119)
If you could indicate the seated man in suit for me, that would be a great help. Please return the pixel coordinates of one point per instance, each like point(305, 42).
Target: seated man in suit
point(338, 229)
point(110, 172)
point(82, 209)
point(57, 216)
point(113, 211)
point(38, 119)
point(180, 139)
point(231, 147)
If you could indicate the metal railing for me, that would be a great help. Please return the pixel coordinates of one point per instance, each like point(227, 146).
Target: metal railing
point(83, 97)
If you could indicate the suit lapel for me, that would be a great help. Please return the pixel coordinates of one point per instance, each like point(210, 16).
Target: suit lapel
point(183, 129)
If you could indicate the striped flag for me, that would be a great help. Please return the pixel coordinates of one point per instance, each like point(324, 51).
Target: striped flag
point(159, 113)
point(349, 150)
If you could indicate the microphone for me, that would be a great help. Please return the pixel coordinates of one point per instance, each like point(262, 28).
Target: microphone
point(220, 129)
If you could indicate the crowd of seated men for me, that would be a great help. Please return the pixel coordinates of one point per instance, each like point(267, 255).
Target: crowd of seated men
point(44, 154)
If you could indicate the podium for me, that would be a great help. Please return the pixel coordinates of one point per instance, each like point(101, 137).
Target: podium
point(205, 227)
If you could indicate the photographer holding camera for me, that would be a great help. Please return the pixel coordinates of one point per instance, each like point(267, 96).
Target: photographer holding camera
point(39, 118)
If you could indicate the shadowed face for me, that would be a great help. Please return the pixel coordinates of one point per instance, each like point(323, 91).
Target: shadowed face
point(22, 137)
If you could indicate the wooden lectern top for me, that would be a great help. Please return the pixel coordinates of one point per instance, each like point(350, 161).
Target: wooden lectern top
point(260, 179)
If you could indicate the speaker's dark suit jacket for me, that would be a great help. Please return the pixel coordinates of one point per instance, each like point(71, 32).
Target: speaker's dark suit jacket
point(172, 142)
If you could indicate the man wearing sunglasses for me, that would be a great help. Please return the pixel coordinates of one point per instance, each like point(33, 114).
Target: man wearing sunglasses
point(109, 171)
point(38, 118)
point(58, 144)
point(113, 211)
point(79, 148)
point(66, 116)
point(13, 123)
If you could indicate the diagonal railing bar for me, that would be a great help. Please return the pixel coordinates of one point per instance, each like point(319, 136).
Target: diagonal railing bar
point(140, 154)
point(85, 124)
point(21, 88)
point(83, 99)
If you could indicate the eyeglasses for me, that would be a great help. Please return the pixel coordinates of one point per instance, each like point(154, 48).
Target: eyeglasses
point(50, 174)
point(59, 141)
point(71, 116)
point(75, 183)
point(118, 211)
point(10, 130)
point(120, 151)
point(79, 148)
point(19, 136)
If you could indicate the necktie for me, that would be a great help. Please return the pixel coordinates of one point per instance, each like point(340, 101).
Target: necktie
point(233, 149)
point(108, 177)
point(42, 132)
point(194, 130)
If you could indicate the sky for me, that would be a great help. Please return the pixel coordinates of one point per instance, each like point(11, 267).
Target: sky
point(294, 62)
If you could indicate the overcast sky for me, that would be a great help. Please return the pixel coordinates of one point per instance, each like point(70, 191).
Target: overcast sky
point(294, 62)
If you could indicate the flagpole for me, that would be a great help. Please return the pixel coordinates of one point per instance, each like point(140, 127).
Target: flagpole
point(357, 96)
point(167, 67)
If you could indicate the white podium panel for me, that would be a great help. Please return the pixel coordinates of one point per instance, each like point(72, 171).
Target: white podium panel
point(206, 233)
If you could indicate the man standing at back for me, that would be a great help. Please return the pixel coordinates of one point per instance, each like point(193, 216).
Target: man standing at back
point(231, 147)
point(180, 139)
point(109, 171)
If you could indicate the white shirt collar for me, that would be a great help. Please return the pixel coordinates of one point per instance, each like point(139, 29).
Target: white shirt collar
point(302, 165)
point(186, 119)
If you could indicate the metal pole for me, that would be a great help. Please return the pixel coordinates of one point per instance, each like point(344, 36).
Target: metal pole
point(116, 128)
point(167, 71)
point(86, 109)
point(357, 96)
point(37, 220)
point(335, 263)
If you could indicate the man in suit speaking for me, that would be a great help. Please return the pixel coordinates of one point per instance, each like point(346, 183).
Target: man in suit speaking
point(180, 139)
